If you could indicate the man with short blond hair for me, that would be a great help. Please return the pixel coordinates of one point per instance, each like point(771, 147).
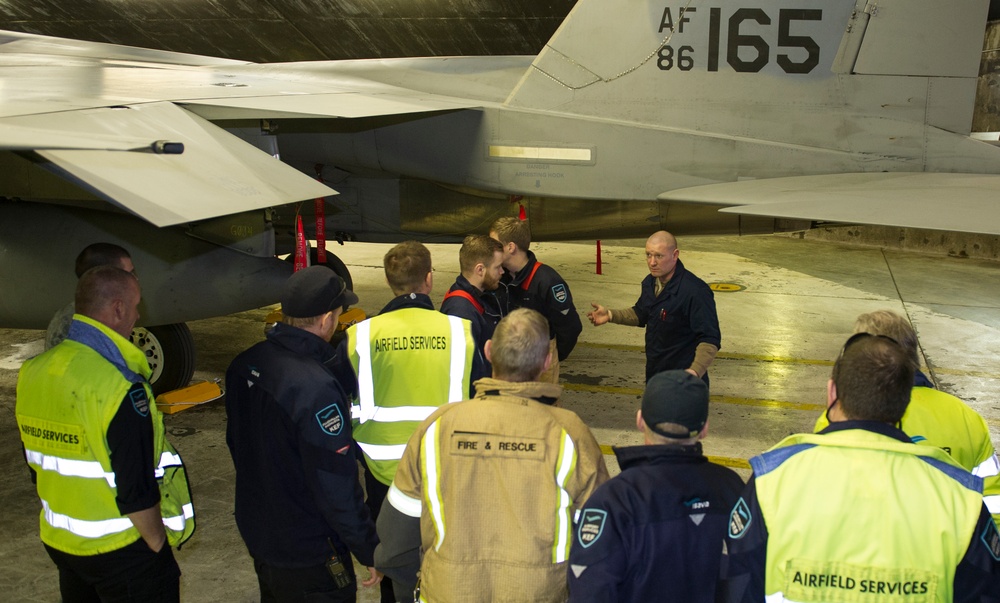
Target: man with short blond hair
point(409, 359)
point(473, 295)
point(528, 283)
point(677, 309)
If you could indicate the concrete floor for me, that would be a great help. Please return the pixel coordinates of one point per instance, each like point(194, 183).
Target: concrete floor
point(795, 306)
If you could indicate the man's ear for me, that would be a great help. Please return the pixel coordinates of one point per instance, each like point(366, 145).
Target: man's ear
point(639, 423)
point(488, 350)
point(831, 393)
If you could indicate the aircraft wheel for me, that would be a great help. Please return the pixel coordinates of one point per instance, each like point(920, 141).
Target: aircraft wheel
point(169, 349)
point(333, 263)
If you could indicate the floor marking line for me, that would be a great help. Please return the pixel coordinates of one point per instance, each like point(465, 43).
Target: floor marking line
point(784, 359)
point(634, 391)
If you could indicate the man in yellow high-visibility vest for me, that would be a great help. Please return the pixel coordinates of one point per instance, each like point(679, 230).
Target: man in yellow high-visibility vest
point(858, 512)
point(113, 492)
point(409, 359)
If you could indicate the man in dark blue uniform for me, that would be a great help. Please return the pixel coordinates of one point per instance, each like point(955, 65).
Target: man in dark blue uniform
point(655, 532)
point(676, 307)
point(527, 283)
point(299, 505)
point(472, 296)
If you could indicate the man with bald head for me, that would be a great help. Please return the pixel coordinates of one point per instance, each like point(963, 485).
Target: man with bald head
point(676, 307)
point(113, 492)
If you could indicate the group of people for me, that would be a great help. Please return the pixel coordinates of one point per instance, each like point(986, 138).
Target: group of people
point(477, 485)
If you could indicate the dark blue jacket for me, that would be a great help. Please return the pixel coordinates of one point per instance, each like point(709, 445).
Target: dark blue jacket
point(676, 321)
point(483, 318)
point(545, 291)
point(289, 433)
point(655, 532)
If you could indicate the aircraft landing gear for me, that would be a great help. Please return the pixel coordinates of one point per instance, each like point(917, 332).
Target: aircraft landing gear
point(170, 352)
point(336, 264)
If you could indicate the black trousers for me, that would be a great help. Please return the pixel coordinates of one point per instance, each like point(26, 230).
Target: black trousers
point(132, 573)
point(303, 584)
point(376, 492)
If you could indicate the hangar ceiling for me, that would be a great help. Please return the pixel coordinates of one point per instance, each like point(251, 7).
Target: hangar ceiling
point(299, 30)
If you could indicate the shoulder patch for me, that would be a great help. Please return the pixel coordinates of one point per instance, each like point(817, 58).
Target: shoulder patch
point(991, 538)
point(591, 526)
point(140, 401)
point(560, 293)
point(739, 519)
point(330, 420)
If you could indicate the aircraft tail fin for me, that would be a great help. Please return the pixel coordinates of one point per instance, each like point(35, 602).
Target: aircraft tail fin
point(666, 63)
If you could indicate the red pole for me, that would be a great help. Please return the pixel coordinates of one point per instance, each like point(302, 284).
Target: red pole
point(599, 256)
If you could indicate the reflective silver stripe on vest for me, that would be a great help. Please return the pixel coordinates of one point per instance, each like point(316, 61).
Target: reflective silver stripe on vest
point(379, 452)
point(96, 529)
point(366, 409)
point(84, 527)
point(992, 504)
point(366, 383)
point(987, 468)
point(564, 526)
point(69, 467)
point(457, 393)
point(176, 523)
point(407, 505)
point(89, 469)
point(433, 482)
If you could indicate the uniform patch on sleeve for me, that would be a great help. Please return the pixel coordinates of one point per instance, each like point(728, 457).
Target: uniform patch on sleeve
point(739, 519)
point(560, 293)
point(330, 420)
point(591, 526)
point(991, 538)
point(140, 401)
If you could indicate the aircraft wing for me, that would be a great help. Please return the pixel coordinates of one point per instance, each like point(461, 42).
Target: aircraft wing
point(93, 114)
point(939, 201)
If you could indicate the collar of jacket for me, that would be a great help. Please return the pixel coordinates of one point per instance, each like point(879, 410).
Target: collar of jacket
point(631, 456)
point(921, 380)
point(302, 342)
point(546, 393)
point(878, 427)
point(675, 279)
point(128, 359)
point(409, 300)
point(463, 284)
point(523, 273)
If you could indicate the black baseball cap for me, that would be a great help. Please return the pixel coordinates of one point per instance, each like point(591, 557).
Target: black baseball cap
point(676, 397)
point(314, 291)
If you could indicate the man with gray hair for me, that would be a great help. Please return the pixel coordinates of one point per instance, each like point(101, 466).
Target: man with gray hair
point(495, 482)
point(935, 418)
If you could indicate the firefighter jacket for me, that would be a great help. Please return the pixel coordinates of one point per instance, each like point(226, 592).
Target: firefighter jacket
point(935, 418)
point(496, 482)
point(409, 360)
point(859, 513)
point(66, 399)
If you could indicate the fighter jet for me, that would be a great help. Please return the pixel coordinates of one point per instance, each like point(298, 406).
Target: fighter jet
point(705, 116)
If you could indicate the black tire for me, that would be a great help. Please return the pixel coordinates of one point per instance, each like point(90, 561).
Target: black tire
point(333, 263)
point(170, 352)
